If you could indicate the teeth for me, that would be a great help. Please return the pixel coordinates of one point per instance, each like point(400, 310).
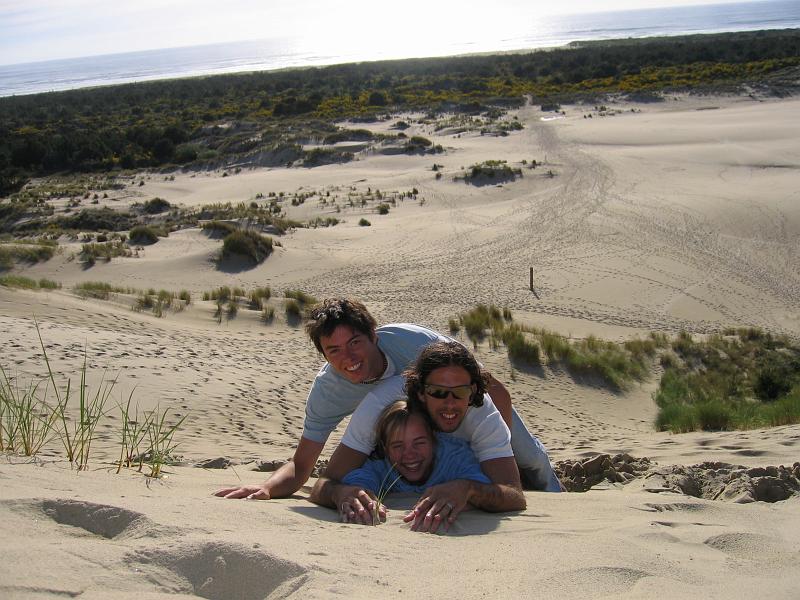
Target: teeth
point(354, 367)
point(449, 415)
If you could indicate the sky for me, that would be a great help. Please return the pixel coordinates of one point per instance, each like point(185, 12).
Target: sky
point(36, 30)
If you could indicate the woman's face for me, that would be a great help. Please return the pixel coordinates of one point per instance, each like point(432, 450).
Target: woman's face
point(411, 450)
point(446, 395)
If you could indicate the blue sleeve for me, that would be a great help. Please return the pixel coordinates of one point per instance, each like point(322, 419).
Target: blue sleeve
point(368, 476)
point(455, 460)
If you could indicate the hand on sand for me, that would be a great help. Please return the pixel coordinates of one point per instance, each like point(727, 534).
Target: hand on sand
point(356, 505)
point(249, 492)
point(440, 505)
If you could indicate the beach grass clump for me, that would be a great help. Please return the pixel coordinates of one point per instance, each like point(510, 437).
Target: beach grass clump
point(247, 244)
point(222, 293)
point(22, 282)
point(25, 419)
point(322, 222)
point(25, 251)
point(300, 296)
point(259, 296)
point(293, 309)
point(616, 364)
point(362, 222)
point(185, 296)
point(92, 252)
point(490, 171)
point(144, 235)
point(743, 379)
point(268, 314)
point(219, 228)
point(155, 206)
point(98, 289)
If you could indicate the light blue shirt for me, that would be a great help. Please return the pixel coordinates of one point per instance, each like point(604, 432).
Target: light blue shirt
point(453, 460)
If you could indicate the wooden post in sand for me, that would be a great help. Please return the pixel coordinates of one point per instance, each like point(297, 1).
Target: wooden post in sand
point(531, 278)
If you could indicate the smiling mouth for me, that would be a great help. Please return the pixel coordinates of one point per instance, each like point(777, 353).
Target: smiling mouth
point(448, 416)
point(415, 466)
point(355, 367)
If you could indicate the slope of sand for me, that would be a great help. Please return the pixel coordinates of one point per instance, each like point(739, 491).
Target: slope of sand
point(678, 215)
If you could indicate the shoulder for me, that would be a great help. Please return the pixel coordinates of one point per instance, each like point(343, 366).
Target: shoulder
point(408, 333)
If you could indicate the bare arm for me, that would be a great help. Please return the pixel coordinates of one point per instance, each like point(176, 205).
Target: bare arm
point(501, 398)
point(286, 480)
point(441, 504)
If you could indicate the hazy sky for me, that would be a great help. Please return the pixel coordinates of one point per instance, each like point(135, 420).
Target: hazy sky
point(33, 30)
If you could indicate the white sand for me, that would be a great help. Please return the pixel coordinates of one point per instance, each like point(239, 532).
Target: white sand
point(662, 219)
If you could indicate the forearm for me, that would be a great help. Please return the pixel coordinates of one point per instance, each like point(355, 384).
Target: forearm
point(286, 480)
point(323, 492)
point(496, 497)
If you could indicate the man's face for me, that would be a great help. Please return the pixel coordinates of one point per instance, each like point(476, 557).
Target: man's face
point(352, 354)
point(446, 395)
point(411, 450)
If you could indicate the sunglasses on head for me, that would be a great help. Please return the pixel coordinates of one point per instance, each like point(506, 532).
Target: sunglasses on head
point(440, 392)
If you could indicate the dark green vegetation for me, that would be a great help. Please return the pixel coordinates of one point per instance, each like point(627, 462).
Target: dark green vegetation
point(213, 121)
point(616, 364)
point(490, 171)
point(743, 379)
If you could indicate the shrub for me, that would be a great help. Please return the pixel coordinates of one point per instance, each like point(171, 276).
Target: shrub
point(248, 244)
point(383, 209)
point(364, 223)
point(219, 228)
point(155, 206)
point(143, 234)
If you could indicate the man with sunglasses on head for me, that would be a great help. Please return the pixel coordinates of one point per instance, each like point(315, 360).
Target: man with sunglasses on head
point(360, 356)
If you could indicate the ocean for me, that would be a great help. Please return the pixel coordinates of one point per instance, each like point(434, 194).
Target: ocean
point(269, 54)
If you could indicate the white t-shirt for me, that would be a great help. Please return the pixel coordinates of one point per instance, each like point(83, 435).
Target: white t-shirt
point(482, 427)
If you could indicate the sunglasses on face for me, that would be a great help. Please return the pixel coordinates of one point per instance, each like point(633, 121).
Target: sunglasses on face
point(440, 392)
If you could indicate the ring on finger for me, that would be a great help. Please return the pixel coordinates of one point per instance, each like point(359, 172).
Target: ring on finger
point(450, 506)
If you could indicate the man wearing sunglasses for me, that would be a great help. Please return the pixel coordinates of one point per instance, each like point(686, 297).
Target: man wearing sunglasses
point(360, 355)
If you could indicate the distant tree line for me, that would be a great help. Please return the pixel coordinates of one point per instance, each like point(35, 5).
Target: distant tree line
point(185, 121)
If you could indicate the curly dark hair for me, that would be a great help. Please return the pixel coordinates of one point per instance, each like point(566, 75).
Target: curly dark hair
point(435, 356)
point(326, 316)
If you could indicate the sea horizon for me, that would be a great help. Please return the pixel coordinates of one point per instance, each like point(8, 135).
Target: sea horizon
point(282, 53)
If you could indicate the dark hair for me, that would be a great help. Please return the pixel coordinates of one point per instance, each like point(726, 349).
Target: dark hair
point(393, 419)
point(326, 316)
point(435, 356)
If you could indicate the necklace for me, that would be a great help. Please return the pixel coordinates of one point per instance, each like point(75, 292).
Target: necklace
point(383, 370)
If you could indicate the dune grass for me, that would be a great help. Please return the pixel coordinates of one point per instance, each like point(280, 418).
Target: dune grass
point(617, 365)
point(99, 290)
point(26, 283)
point(25, 251)
point(28, 422)
point(743, 379)
point(93, 251)
point(247, 244)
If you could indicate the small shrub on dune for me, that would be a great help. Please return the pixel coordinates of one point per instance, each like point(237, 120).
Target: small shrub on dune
point(383, 209)
point(186, 296)
point(247, 244)
point(155, 206)
point(364, 223)
point(143, 235)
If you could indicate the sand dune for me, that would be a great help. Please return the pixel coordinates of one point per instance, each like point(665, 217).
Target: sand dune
point(662, 218)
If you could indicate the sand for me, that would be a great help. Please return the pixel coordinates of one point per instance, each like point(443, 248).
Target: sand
point(657, 217)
